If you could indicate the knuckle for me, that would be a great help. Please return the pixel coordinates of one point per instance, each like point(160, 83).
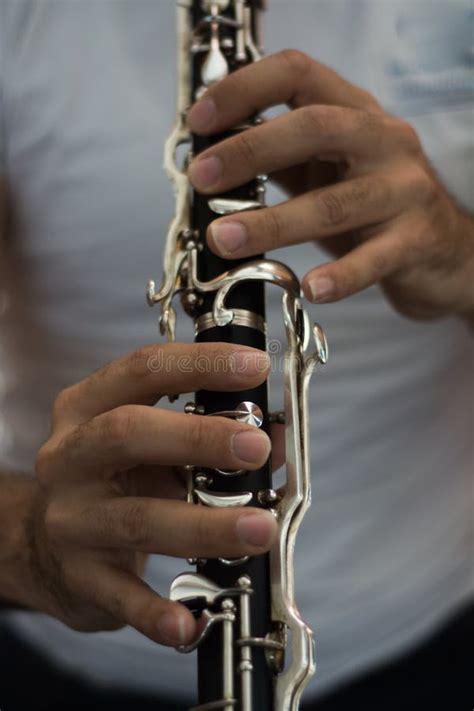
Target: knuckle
point(75, 441)
point(419, 241)
point(399, 250)
point(138, 362)
point(333, 208)
point(424, 187)
point(133, 525)
point(62, 403)
point(273, 227)
point(99, 519)
point(205, 530)
point(369, 101)
point(198, 434)
point(119, 425)
point(298, 61)
point(116, 609)
point(379, 190)
point(403, 133)
point(246, 147)
point(322, 120)
point(357, 194)
point(380, 265)
point(409, 135)
point(372, 123)
point(44, 459)
point(55, 521)
point(429, 189)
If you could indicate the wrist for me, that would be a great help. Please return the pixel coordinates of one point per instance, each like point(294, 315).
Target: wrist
point(17, 496)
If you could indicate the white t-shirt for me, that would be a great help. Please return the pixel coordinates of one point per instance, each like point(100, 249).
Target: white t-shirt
point(87, 98)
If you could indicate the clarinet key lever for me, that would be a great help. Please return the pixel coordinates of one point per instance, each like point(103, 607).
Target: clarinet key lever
point(247, 412)
point(195, 589)
point(222, 500)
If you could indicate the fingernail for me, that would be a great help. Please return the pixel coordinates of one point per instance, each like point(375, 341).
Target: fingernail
point(256, 529)
point(257, 361)
point(202, 115)
point(173, 629)
point(205, 172)
point(322, 289)
point(229, 236)
point(251, 447)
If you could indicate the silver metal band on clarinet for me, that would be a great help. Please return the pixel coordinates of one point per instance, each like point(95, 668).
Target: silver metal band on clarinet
point(241, 317)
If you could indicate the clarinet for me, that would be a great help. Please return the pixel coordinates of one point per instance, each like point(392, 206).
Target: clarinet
point(255, 652)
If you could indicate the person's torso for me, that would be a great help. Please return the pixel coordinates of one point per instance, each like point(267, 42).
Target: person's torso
point(88, 98)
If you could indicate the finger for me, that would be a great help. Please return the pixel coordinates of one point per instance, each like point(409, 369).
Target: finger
point(132, 602)
point(172, 528)
point(327, 132)
point(289, 77)
point(322, 213)
point(134, 434)
point(141, 377)
point(358, 269)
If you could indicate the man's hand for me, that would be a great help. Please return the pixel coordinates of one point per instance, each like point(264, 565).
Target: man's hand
point(108, 492)
point(360, 183)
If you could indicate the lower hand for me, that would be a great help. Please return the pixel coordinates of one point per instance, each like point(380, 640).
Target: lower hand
point(109, 494)
point(359, 180)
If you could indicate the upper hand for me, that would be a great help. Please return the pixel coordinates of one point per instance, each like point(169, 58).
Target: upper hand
point(109, 493)
point(359, 181)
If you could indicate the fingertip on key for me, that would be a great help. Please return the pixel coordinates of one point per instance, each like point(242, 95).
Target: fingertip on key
point(176, 628)
point(251, 447)
point(258, 529)
point(205, 172)
point(228, 237)
point(202, 116)
point(320, 289)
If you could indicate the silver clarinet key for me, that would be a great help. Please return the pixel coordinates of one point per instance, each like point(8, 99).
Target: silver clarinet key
point(222, 500)
point(227, 206)
point(215, 66)
point(188, 587)
point(247, 412)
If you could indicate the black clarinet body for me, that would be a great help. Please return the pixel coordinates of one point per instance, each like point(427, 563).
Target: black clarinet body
point(250, 298)
point(255, 652)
